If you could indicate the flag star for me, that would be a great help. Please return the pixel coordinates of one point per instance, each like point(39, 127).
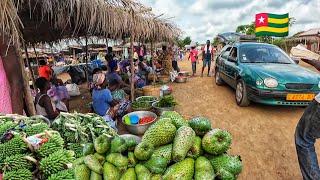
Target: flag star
point(261, 20)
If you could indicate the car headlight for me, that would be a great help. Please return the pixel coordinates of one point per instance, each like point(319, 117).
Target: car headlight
point(319, 85)
point(270, 82)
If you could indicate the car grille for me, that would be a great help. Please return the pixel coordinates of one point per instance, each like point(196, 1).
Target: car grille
point(299, 86)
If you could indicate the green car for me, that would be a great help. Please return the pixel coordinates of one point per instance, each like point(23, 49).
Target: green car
point(263, 73)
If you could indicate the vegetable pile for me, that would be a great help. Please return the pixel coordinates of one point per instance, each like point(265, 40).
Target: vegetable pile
point(172, 148)
point(167, 101)
point(138, 105)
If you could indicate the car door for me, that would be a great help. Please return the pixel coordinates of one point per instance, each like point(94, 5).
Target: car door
point(231, 67)
point(222, 59)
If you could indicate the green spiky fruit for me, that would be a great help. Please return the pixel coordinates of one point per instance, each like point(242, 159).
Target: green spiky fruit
point(110, 172)
point(95, 176)
point(160, 133)
point(118, 145)
point(65, 174)
point(100, 158)
point(118, 160)
point(93, 164)
point(164, 151)
point(102, 144)
point(182, 170)
point(156, 177)
point(203, 169)
point(6, 126)
point(143, 151)
point(156, 165)
point(132, 159)
point(56, 162)
point(196, 150)
point(82, 172)
point(131, 143)
point(15, 146)
point(36, 128)
point(216, 141)
point(54, 144)
point(142, 172)
point(176, 118)
point(20, 174)
point(182, 142)
point(226, 166)
point(15, 162)
point(200, 125)
point(129, 175)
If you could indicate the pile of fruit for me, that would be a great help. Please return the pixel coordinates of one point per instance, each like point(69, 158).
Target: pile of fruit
point(171, 148)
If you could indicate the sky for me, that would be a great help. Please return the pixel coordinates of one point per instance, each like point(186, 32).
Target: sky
point(204, 19)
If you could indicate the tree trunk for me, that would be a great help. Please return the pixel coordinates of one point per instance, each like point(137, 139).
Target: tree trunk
point(13, 71)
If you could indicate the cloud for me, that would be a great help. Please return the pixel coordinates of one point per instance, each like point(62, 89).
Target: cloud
point(204, 19)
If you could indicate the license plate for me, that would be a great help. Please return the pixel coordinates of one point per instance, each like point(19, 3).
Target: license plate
point(300, 97)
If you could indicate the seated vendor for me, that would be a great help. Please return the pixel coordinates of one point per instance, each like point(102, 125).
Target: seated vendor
point(59, 94)
point(113, 75)
point(44, 105)
point(120, 96)
point(103, 103)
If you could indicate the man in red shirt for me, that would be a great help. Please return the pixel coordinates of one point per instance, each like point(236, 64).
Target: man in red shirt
point(44, 70)
point(193, 56)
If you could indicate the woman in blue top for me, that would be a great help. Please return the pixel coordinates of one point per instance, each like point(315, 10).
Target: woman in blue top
point(103, 103)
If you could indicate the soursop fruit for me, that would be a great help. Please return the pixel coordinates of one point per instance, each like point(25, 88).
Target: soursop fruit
point(164, 151)
point(130, 174)
point(203, 169)
point(226, 166)
point(142, 172)
point(216, 141)
point(118, 160)
point(20, 174)
point(183, 170)
point(131, 143)
point(110, 172)
point(176, 118)
point(56, 162)
point(160, 133)
point(156, 165)
point(156, 177)
point(77, 148)
point(132, 159)
point(196, 149)
point(100, 158)
point(118, 145)
point(93, 164)
point(54, 144)
point(81, 172)
point(16, 162)
point(65, 174)
point(143, 151)
point(95, 176)
point(182, 143)
point(14, 146)
point(200, 125)
point(102, 144)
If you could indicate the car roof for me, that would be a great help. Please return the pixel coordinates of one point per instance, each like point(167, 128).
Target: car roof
point(238, 44)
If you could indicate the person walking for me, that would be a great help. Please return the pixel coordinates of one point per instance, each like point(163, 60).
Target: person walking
point(307, 131)
point(193, 56)
point(207, 57)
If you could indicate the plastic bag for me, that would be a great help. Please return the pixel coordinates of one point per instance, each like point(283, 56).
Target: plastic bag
point(73, 89)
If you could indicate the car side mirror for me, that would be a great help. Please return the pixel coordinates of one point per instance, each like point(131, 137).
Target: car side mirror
point(296, 61)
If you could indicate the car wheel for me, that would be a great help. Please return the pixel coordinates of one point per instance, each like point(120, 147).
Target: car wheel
point(217, 78)
point(241, 94)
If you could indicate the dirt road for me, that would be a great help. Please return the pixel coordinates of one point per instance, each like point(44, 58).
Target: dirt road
point(262, 135)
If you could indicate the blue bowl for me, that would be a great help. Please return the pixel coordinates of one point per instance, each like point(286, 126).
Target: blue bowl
point(134, 119)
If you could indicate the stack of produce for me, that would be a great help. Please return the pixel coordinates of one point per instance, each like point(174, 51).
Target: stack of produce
point(77, 129)
point(171, 148)
point(166, 101)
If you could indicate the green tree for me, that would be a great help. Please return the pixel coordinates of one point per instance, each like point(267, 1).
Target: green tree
point(182, 42)
point(248, 29)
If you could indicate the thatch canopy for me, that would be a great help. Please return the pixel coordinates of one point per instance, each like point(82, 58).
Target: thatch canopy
point(52, 20)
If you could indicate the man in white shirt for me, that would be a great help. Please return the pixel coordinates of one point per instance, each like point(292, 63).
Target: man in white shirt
point(307, 131)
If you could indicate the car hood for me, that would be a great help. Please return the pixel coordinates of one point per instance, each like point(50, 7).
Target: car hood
point(285, 73)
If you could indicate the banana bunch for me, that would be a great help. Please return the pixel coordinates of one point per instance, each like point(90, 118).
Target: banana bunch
point(55, 143)
point(15, 146)
point(56, 162)
point(16, 162)
point(65, 174)
point(20, 174)
point(33, 129)
point(5, 126)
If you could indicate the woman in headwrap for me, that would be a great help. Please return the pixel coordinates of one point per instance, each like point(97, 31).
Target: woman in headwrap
point(103, 103)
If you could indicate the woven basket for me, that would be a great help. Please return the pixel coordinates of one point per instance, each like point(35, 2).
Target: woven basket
point(164, 79)
point(151, 91)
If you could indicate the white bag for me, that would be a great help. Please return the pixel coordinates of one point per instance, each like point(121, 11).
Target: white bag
point(173, 75)
point(73, 89)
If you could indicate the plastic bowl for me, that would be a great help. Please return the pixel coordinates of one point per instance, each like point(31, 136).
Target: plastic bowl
point(138, 129)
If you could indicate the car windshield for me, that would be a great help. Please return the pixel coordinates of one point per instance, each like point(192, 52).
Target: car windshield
point(263, 54)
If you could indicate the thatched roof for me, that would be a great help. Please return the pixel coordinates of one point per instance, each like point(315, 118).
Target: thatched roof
point(53, 20)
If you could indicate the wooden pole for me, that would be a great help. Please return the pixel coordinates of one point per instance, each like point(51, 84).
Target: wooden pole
point(132, 68)
point(86, 59)
point(29, 65)
point(152, 63)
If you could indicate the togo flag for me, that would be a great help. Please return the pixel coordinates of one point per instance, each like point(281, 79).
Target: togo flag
point(272, 24)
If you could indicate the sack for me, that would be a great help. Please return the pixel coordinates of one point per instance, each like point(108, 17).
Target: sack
point(73, 89)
